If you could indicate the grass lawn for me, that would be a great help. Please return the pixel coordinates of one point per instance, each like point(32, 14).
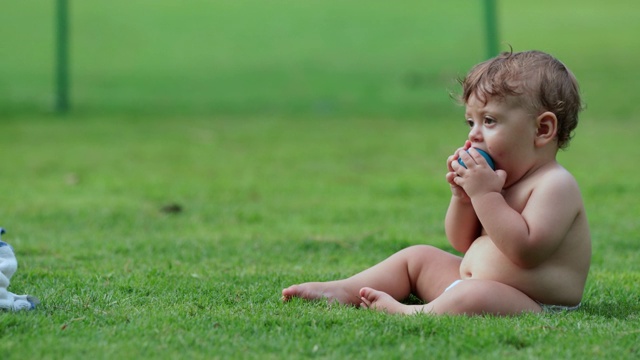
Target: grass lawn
point(315, 149)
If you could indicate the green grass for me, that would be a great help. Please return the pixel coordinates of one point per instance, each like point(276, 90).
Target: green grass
point(314, 149)
point(269, 202)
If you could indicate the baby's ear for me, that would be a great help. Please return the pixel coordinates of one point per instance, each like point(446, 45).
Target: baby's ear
point(546, 128)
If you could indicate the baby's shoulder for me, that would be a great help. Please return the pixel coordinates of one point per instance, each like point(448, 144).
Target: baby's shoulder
point(556, 176)
point(558, 185)
point(552, 181)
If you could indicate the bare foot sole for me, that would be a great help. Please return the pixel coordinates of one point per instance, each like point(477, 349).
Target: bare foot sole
point(307, 291)
point(381, 301)
point(330, 291)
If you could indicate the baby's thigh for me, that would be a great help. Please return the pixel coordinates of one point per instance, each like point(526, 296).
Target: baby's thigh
point(477, 297)
point(432, 270)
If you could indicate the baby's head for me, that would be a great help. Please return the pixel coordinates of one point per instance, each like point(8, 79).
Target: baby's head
point(538, 81)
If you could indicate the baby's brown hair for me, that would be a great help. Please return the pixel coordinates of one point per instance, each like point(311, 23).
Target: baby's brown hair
point(541, 81)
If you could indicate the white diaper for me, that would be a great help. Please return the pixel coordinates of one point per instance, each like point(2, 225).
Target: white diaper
point(452, 285)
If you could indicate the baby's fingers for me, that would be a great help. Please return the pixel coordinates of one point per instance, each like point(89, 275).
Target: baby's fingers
point(453, 159)
point(450, 176)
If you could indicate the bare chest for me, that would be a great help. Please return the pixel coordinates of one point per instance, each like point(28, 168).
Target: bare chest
point(518, 195)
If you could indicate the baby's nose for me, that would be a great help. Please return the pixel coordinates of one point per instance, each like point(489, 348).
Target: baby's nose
point(475, 134)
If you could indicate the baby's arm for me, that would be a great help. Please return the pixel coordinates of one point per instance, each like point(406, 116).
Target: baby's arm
point(461, 223)
point(530, 237)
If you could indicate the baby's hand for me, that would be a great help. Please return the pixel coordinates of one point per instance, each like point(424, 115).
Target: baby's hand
point(477, 178)
point(456, 190)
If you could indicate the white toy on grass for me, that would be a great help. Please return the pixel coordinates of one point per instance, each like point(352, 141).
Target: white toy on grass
point(8, 266)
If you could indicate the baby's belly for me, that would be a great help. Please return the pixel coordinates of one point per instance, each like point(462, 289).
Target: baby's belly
point(547, 283)
point(484, 261)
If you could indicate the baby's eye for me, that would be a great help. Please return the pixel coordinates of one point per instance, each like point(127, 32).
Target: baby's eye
point(489, 120)
point(469, 122)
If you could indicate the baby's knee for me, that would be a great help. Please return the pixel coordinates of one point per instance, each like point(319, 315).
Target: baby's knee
point(422, 252)
point(418, 257)
point(422, 249)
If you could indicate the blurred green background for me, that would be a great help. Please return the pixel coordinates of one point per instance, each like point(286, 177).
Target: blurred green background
point(303, 58)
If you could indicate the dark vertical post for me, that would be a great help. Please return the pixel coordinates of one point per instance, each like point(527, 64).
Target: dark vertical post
point(492, 27)
point(62, 57)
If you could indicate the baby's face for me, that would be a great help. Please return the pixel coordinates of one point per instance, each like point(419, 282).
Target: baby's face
point(503, 128)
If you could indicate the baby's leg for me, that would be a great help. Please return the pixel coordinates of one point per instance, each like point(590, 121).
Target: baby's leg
point(469, 297)
point(421, 270)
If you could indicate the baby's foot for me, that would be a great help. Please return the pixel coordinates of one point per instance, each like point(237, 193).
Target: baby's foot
point(331, 291)
point(307, 291)
point(381, 301)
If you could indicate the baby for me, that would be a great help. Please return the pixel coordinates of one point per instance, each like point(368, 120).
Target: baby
point(522, 229)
